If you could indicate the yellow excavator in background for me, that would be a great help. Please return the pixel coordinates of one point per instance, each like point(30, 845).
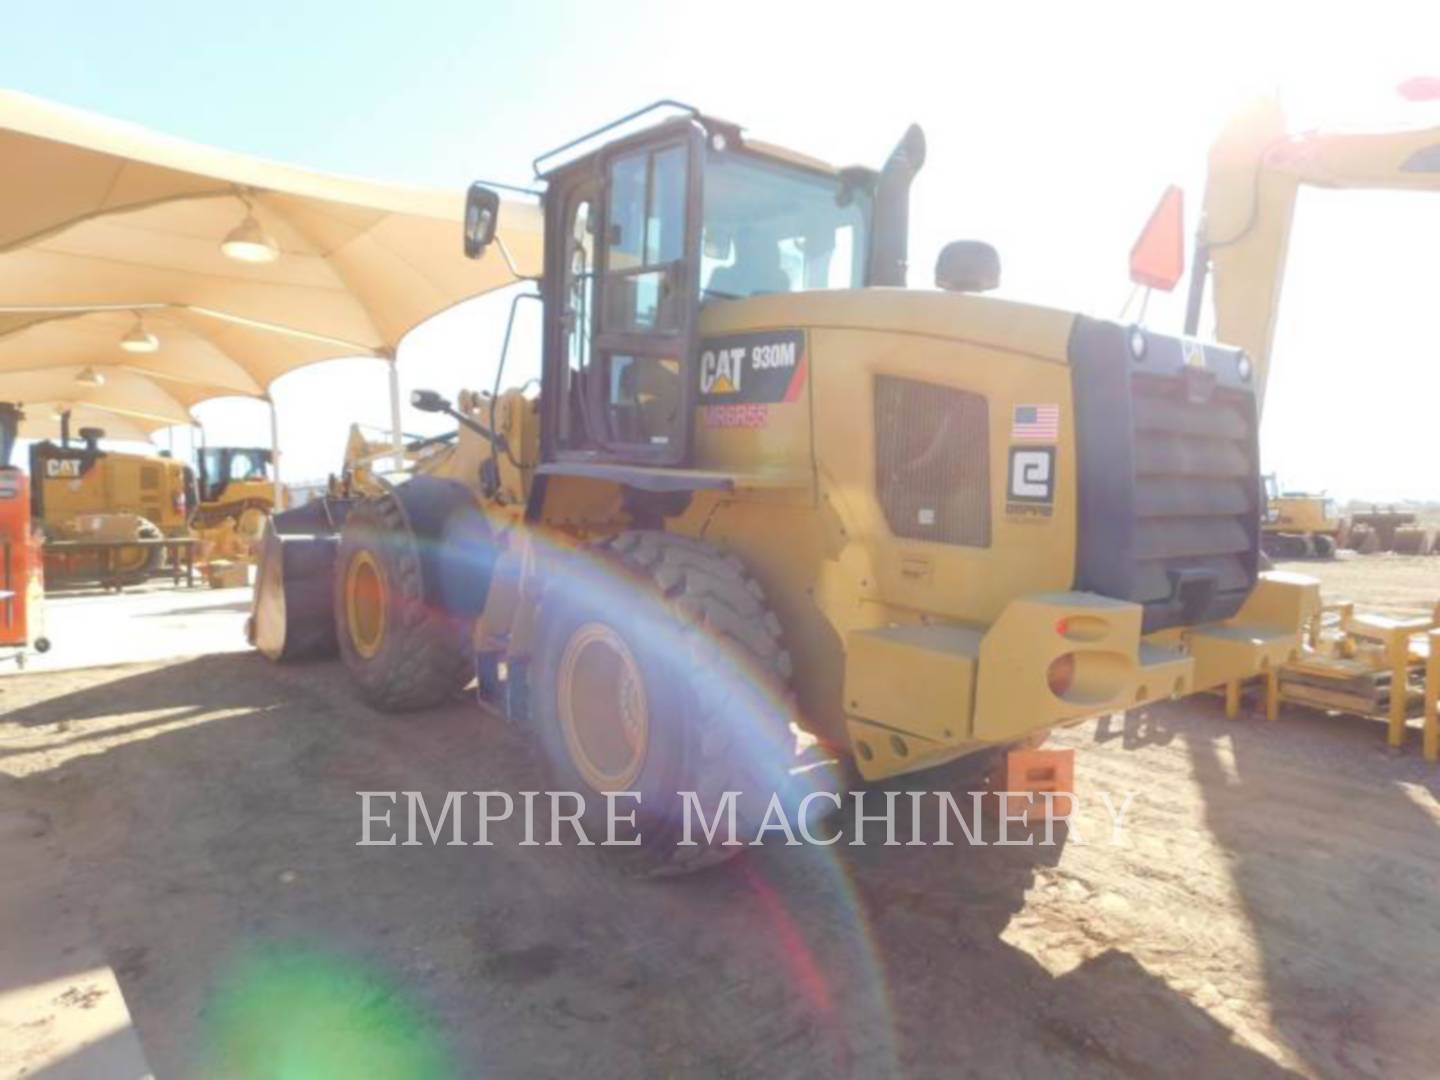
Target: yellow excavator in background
point(1256, 171)
point(1299, 525)
point(1255, 174)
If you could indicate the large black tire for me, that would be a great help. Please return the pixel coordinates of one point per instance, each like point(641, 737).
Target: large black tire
point(404, 650)
point(1285, 545)
point(714, 673)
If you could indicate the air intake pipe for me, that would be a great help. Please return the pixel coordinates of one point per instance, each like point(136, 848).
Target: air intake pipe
point(889, 245)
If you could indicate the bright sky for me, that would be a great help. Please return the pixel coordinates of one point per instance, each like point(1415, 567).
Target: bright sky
point(1052, 130)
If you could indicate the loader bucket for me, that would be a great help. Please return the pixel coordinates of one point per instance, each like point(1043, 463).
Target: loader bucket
point(291, 613)
point(1413, 540)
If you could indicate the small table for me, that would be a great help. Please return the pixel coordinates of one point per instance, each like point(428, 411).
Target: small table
point(181, 549)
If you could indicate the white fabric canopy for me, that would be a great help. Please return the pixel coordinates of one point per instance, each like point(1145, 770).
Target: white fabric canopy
point(104, 225)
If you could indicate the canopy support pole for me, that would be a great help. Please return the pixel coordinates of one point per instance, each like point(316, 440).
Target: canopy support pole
point(275, 455)
point(397, 437)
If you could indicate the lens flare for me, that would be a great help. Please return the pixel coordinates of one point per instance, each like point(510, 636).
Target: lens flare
point(285, 1010)
point(758, 728)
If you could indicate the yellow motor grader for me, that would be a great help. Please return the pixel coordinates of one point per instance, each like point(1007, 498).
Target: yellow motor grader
point(94, 496)
point(91, 495)
point(770, 501)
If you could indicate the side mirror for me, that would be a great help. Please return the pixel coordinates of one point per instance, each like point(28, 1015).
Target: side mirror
point(1157, 261)
point(428, 401)
point(967, 266)
point(482, 214)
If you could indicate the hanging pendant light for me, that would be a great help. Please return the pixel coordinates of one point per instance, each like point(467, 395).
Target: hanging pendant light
point(88, 376)
point(139, 340)
point(250, 243)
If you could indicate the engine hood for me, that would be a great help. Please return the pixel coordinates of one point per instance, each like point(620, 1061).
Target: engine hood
point(1001, 324)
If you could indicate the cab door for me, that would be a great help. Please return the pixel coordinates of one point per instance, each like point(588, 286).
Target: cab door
point(629, 316)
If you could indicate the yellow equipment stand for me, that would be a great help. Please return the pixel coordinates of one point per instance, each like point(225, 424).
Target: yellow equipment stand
point(1366, 665)
point(1432, 699)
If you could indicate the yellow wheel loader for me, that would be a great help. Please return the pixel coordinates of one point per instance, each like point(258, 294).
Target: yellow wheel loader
point(770, 505)
point(235, 486)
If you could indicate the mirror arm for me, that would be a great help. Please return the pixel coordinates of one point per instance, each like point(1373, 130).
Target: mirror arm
point(475, 426)
point(434, 403)
point(510, 263)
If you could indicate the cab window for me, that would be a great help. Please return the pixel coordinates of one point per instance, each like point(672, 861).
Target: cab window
point(579, 297)
point(772, 228)
point(645, 241)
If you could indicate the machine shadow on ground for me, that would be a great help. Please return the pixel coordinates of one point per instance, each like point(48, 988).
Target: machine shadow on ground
point(1335, 859)
point(226, 821)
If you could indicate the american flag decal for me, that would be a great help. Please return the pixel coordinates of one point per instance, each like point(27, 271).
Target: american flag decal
point(1037, 422)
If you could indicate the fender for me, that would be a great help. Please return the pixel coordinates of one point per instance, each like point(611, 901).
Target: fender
point(457, 543)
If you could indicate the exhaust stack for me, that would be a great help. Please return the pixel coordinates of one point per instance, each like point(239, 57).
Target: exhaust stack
point(890, 245)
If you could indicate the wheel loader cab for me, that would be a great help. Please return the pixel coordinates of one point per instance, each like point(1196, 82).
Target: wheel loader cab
point(219, 467)
point(621, 301)
point(643, 234)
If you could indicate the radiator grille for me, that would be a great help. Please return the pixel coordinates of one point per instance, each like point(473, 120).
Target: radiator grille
point(1168, 473)
point(149, 477)
point(932, 461)
point(1195, 502)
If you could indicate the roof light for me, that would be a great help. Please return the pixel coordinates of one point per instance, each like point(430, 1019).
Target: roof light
point(248, 242)
point(1137, 343)
point(139, 340)
point(88, 376)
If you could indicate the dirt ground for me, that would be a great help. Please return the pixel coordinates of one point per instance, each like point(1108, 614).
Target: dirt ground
point(1270, 907)
point(1390, 584)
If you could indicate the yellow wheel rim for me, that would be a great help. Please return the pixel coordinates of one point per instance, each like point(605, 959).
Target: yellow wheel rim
point(365, 603)
point(603, 709)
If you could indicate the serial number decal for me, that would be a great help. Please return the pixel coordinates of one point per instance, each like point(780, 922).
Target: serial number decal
point(736, 416)
point(763, 368)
